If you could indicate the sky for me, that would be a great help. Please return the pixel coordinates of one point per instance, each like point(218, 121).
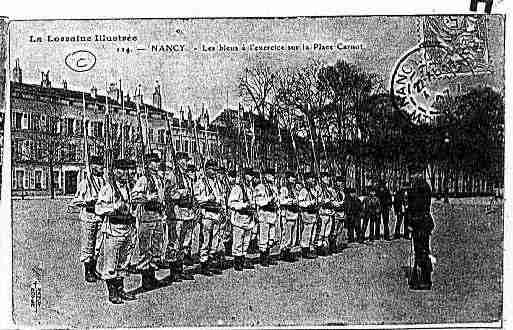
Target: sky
point(194, 77)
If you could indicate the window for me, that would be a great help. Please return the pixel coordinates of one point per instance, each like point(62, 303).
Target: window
point(17, 120)
point(18, 179)
point(58, 126)
point(32, 179)
point(43, 180)
point(186, 146)
point(25, 149)
point(18, 148)
point(177, 145)
point(70, 122)
point(25, 121)
point(35, 122)
point(43, 123)
point(26, 181)
point(161, 136)
point(56, 181)
point(150, 135)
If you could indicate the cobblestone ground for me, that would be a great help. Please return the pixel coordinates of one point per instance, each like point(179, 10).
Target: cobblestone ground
point(363, 285)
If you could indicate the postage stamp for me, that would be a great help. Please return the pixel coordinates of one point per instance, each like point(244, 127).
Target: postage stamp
point(293, 171)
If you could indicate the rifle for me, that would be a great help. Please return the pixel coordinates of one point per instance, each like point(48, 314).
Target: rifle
point(178, 171)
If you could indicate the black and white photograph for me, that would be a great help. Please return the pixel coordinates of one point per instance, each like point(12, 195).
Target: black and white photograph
point(257, 172)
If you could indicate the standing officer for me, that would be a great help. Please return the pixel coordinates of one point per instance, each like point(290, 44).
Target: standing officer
point(421, 224)
point(114, 203)
point(340, 228)
point(266, 198)
point(182, 197)
point(353, 208)
point(385, 201)
point(307, 201)
point(85, 198)
point(326, 196)
point(398, 204)
point(372, 212)
point(289, 206)
point(148, 196)
point(241, 201)
point(209, 194)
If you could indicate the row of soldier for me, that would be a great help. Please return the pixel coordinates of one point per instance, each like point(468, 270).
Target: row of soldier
point(146, 224)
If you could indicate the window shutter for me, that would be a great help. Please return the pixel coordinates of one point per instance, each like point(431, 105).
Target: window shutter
point(32, 179)
point(43, 180)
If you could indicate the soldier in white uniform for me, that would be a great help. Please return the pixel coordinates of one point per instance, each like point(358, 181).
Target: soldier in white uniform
point(288, 201)
point(148, 197)
point(114, 204)
point(340, 227)
point(181, 215)
point(85, 198)
point(210, 196)
point(266, 199)
point(326, 196)
point(241, 201)
point(307, 201)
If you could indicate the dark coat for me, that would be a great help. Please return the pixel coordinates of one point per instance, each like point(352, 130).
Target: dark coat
point(419, 206)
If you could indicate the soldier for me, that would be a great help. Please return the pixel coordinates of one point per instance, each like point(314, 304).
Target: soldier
point(398, 204)
point(353, 208)
point(148, 196)
point(85, 198)
point(421, 225)
point(326, 196)
point(385, 200)
point(180, 198)
point(372, 212)
point(307, 201)
point(231, 179)
point(210, 196)
point(340, 228)
point(114, 203)
point(242, 203)
point(266, 198)
point(289, 206)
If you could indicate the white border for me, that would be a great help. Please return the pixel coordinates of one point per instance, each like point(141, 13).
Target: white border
point(53, 9)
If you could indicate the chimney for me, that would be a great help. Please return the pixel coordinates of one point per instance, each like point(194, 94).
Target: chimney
point(45, 79)
point(189, 117)
point(157, 97)
point(139, 94)
point(16, 72)
point(64, 84)
point(94, 92)
point(182, 118)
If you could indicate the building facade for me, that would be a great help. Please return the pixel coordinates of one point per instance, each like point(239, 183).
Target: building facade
point(48, 124)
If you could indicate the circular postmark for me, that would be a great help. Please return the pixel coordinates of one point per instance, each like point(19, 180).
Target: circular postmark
point(80, 60)
point(421, 77)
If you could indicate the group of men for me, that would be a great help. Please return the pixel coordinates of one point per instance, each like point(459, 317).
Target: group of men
point(143, 220)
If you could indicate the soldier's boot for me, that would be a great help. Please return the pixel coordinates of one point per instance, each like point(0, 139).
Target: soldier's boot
point(253, 246)
point(173, 274)
point(121, 290)
point(228, 248)
point(237, 263)
point(214, 266)
point(94, 272)
point(264, 261)
point(181, 274)
point(270, 259)
point(187, 259)
point(113, 292)
point(204, 269)
point(148, 279)
point(333, 249)
point(247, 264)
point(88, 274)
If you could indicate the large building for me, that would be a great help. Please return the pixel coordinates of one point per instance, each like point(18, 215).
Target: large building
point(47, 124)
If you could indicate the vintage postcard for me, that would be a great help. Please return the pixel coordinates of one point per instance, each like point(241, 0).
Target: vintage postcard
point(293, 171)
